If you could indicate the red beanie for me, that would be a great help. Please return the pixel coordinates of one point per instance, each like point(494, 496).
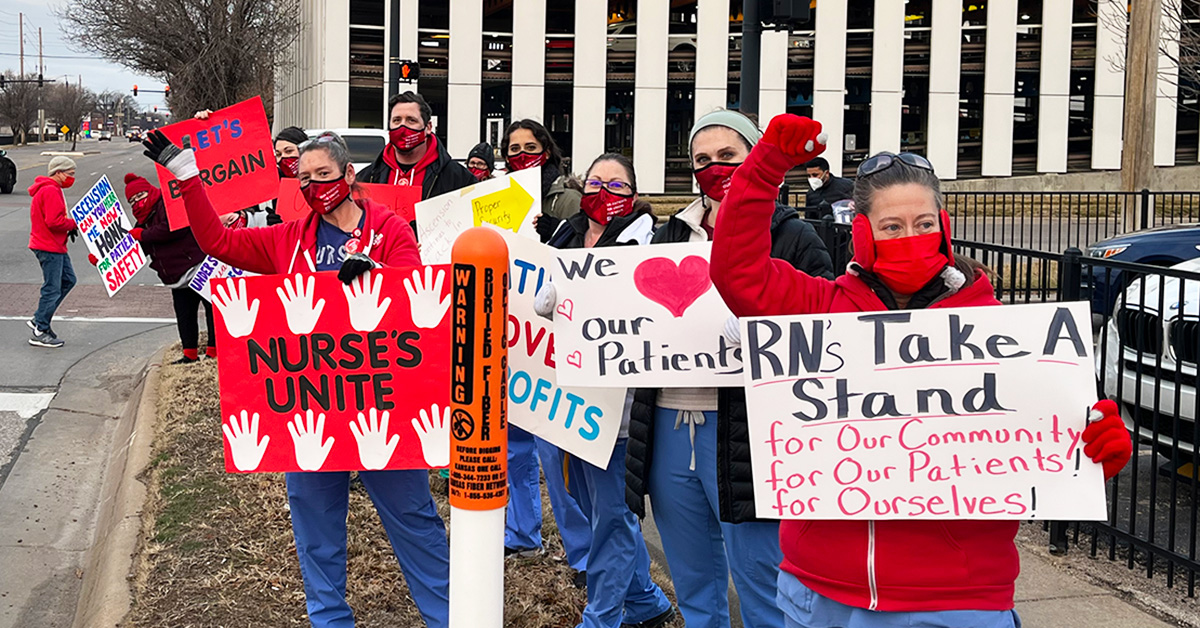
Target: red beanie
point(135, 185)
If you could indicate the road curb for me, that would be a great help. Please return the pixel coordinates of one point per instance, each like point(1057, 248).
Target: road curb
point(106, 596)
point(77, 153)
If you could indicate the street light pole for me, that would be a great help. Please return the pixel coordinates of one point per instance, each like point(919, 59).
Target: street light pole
point(751, 55)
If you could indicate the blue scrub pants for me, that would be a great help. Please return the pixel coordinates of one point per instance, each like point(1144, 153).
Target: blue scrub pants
point(701, 550)
point(619, 586)
point(320, 502)
point(523, 519)
point(805, 608)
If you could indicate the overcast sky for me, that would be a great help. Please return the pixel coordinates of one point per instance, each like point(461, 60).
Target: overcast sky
point(61, 59)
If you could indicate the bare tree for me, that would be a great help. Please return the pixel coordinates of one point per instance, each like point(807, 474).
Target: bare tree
point(1178, 47)
point(67, 104)
point(19, 105)
point(213, 53)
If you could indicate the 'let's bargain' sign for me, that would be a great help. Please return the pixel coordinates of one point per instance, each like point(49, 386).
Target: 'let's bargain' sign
point(105, 228)
point(969, 413)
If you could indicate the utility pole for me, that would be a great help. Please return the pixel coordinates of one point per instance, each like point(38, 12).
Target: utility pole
point(41, 71)
point(21, 76)
point(751, 56)
point(1141, 92)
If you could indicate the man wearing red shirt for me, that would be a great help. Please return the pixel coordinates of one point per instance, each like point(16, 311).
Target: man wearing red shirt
point(49, 227)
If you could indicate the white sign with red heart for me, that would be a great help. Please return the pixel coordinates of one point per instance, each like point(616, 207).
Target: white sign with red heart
point(641, 316)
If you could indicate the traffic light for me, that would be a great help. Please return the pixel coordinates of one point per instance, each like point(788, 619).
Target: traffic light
point(167, 90)
point(155, 108)
point(410, 71)
point(2, 81)
point(39, 80)
point(135, 89)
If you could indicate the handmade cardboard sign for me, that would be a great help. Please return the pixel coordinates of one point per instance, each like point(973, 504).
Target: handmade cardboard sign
point(105, 228)
point(968, 413)
point(235, 156)
point(509, 202)
point(212, 268)
point(316, 375)
point(581, 421)
point(398, 198)
point(641, 316)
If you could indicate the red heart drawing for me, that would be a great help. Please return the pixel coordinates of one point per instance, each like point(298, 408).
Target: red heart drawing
point(673, 287)
point(567, 308)
point(575, 360)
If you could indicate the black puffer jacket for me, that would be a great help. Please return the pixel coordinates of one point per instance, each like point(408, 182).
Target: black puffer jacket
point(172, 253)
point(792, 240)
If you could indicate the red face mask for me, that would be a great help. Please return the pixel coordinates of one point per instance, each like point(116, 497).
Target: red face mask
point(524, 161)
point(406, 139)
point(289, 167)
point(480, 173)
point(714, 179)
point(68, 182)
point(904, 265)
point(603, 206)
point(325, 196)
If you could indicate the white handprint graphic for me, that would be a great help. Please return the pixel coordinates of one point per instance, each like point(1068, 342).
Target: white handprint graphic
point(374, 447)
point(425, 298)
point(243, 441)
point(239, 315)
point(306, 436)
point(302, 315)
point(433, 428)
point(362, 297)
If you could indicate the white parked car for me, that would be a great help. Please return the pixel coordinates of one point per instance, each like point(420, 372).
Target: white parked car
point(364, 144)
point(1148, 344)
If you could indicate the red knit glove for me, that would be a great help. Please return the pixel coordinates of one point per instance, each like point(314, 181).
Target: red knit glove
point(92, 259)
point(136, 232)
point(799, 138)
point(1107, 440)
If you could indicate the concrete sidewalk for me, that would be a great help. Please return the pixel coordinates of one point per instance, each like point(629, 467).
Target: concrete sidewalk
point(1048, 594)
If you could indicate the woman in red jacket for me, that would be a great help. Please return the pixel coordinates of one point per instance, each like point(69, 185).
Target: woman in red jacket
point(339, 235)
point(868, 574)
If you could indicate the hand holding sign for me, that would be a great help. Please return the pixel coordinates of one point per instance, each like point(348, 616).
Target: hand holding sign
point(363, 300)
point(374, 448)
point(239, 317)
point(243, 441)
point(433, 428)
point(306, 436)
point(425, 299)
point(302, 315)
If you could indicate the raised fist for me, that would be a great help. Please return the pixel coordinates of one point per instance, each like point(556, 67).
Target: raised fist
point(799, 138)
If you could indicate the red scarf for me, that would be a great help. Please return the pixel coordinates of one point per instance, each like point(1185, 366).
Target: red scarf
point(416, 174)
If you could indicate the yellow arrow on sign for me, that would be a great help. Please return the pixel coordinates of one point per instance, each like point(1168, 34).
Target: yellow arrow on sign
point(65, 128)
point(505, 208)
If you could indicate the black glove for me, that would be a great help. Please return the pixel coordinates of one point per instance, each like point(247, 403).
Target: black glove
point(74, 233)
point(546, 226)
point(354, 266)
point(180, 161)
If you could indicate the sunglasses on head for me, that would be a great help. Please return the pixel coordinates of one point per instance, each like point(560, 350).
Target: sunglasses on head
point(883, 161)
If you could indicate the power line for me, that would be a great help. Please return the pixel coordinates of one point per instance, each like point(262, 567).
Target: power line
point(81, 57)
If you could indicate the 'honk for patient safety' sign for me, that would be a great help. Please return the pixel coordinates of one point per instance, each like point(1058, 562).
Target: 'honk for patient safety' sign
point(970, 413)
point(105, 228)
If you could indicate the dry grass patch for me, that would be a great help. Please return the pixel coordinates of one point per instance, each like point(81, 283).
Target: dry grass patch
point(217, 549)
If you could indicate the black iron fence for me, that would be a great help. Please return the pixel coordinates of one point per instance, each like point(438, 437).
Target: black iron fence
point(1147, 345)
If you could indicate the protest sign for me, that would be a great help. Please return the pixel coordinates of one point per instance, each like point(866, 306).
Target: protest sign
point(289, 201)
point(580, 421)
point(970, 413)
point(235, 156)
point(316, 375)
point(641, 316)
point(212, 268)
point(105, 228)
point(509, 202)
point(398, 198)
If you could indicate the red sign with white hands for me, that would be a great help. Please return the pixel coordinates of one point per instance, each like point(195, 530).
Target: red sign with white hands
point(316, 375)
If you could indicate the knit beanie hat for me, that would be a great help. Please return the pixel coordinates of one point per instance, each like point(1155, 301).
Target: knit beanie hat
point(293, 134)
point(483, 151)
point(60, 164)
point(135, 185)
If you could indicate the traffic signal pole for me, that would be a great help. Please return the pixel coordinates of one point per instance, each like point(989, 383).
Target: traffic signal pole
point(751, 57)
point(394, 51)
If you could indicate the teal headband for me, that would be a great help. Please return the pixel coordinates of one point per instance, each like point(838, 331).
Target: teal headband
point(729, 119)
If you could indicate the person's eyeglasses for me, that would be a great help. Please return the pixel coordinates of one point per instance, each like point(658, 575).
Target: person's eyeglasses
point(620, 188)
point(883, 161)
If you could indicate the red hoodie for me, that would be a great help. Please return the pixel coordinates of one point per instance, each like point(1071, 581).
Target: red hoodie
point(48, 221)
point(878, 565)
point(288, 247)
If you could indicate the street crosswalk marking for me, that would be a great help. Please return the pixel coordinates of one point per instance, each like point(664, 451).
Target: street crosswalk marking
point(100, 319)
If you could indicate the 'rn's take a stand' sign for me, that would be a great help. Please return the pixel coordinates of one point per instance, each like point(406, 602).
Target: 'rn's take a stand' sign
point(970, 413)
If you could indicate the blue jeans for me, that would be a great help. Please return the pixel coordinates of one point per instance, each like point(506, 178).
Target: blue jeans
point(319, 503)
point(804, 608)
point(58, 277)
point(618, 575)
point(702, 550)
point(523, 518)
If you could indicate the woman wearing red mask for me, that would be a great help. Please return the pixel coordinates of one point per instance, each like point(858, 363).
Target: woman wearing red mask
point(175, 256)
point(877, 573)
point(339, 234)
point(620, 591)
point(527, 144)
point(689, 448)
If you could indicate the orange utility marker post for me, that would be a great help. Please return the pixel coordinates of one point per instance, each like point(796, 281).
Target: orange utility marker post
point(478, 429)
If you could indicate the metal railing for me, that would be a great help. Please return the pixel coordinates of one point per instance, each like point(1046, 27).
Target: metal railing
point(1146, 331)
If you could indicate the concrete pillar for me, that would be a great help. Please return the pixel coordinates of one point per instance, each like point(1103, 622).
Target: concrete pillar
point(945, 60)
point(464, 86)
point(650, 96)
point(829, 78)
point(588, 106)
point(528, 59)
point(999, 81)
point(1054, 91)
